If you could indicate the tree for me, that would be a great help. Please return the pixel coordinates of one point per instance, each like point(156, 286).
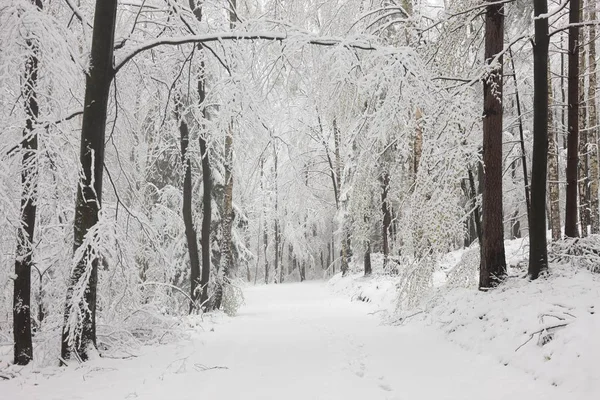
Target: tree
point(188, 217)
point(23, 348)
point(572, 121)
point(538, 252)
point(79, 329)
point(593, 123)
point(206, 177)
point(226, 245)
point(553, 184)
point(493, 260)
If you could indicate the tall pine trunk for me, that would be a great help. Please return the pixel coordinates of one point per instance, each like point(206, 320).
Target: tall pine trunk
point(583, 178)
point(23, 348)
point(188, 217)
point(226, 245)
point(367, 261)
point(206, 178)
point(593, 124)
point(553, 180)
point(572, 121)
point(493, 262)
point(387, 218)
point(79, 334)
point(538, 252)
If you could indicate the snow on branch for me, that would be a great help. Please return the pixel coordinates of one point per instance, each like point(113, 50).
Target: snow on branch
point(273, 36)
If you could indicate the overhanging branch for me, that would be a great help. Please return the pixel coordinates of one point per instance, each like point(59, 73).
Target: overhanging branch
point(273, 36)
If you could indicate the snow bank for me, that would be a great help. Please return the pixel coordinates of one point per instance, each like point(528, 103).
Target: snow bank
point(548, 328)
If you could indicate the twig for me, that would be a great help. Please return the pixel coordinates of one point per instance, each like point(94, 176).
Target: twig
point(202, 367)
point(540, 331)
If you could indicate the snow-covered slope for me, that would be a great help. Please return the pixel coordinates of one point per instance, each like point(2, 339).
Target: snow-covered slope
point(548, 328)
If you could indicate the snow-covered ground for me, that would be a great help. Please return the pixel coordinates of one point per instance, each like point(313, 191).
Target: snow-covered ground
point(548, 328)
point(293, 341)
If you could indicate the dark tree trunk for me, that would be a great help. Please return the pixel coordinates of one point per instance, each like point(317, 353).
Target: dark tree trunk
point(521, 138)
point(206, 221)
point(387, 217)
point(368, 268)
point(206, 179)
point(89, 188)
point(277, 269)
point(573, 122)
point(476, 214)
point(265, 233)
point(188, 217)
point(538, 252)
point(23, 348)
point(493, 262)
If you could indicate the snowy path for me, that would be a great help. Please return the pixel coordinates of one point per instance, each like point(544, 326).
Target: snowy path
point(296, 341)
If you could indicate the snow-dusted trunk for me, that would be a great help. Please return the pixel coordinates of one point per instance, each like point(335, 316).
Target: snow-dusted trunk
point(521, 138)
point(79, 331)
point(188, 217)
point(367, 261)
point(583, 178)
point(207, 182)
point(226, 245)
point(593, 124)
point(23, 349)
point(572, 121)
point(265, 229)
point(553, 178)
point(538, 252)
point(386, 218)
point(493, 261)
point(418, 145)
point(277, 269)
point(206, 221)
point(338, 172)
point(226, 253)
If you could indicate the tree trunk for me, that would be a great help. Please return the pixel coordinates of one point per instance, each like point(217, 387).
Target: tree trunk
point(226, 245)
point(206, 220)
point(418, 146)
point(538, 252)
point(23, 348)
point(368, 269)
point(593, 125)
point(553, 183)
point(265, 225)
point(387, 218)
point(583, 177)
point(79, 330)
point(188, 217)
point(206, 179)
point(573, 122)
point(521, 138)
point(493, 261)
point(338, 172)
point(276, 267)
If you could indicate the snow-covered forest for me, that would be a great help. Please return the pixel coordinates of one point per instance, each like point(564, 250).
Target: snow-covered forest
point(171, 169)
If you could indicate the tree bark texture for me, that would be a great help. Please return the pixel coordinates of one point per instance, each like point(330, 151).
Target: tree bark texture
point(593, 124)
point(553, 183)
point(538, 252)
point(493, 262)
point(23, 348)
point(89, 188)
point(187, 213)
point(572, 121)
point(583, 178)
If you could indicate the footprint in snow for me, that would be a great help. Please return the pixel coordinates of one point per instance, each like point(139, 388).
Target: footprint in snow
point(384, 385)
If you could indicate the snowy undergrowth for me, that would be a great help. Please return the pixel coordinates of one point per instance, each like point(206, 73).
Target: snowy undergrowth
point(548, 327)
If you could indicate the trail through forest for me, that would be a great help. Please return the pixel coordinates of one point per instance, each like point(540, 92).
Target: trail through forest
point(293, 341)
